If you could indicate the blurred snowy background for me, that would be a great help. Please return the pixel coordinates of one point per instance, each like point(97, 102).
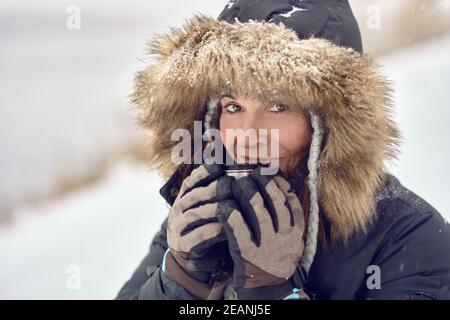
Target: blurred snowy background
point(78, 206)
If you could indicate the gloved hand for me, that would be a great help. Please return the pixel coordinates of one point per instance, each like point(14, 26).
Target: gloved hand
point(264, 224)
point(198, 250)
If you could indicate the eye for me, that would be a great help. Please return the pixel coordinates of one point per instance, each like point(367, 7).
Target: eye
point(277, 108)
point(232, 108)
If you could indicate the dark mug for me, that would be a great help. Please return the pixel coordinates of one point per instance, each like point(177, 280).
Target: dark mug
point(240, 170)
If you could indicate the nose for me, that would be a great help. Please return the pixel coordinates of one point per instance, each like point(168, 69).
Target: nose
point(256, 133)
point(251, 122)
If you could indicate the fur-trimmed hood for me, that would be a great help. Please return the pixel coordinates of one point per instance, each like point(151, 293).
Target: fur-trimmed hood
point(344, 88)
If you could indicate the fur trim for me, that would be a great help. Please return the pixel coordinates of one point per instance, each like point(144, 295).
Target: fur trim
point(208, 58)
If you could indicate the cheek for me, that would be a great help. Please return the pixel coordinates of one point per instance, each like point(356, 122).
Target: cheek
point(295, 133)
point(227, 122)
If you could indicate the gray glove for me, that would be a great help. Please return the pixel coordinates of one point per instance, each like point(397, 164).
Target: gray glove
point(264, 224)
point(198, 250)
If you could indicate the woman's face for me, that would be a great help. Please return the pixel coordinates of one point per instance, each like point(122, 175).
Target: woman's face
point(239, 111)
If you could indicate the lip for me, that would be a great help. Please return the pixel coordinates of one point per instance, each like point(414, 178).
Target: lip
point(258, 160)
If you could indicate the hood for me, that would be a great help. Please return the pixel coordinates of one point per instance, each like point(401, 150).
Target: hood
point(343, 91)
point(327, 19)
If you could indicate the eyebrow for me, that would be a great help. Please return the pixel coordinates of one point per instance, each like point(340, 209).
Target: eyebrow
point(228, 96)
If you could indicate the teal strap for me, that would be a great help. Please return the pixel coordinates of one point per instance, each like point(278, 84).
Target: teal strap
point(294, 295)
point(164, 260)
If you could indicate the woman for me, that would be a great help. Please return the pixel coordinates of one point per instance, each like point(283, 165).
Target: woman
point(332, 223)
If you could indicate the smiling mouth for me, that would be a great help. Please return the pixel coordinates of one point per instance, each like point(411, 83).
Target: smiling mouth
point(246, 157)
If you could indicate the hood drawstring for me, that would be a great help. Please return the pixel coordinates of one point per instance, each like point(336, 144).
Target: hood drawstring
point(313, 216)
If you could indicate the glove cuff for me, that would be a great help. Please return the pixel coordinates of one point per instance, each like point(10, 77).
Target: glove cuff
point(275, 292)
point(283, 291)
point(175, 272)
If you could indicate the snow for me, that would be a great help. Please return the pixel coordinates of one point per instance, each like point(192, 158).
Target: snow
point(230, 4)
point(57, 85)
point(294, 9)
point(421, 75)
point(103, 231)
